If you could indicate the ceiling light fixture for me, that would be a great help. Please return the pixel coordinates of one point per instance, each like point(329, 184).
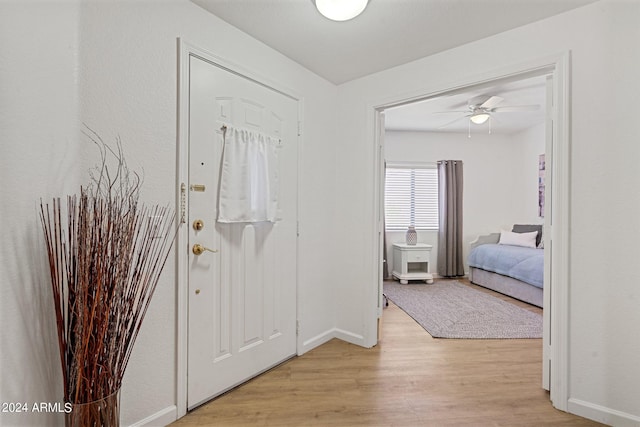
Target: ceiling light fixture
point(479, 118)
point(340, 10)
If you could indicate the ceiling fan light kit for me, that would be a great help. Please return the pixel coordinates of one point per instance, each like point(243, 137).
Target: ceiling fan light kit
point(340, 10)
point(479, 118)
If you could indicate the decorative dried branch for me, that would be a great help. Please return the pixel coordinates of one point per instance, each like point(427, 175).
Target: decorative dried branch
point(105, 259)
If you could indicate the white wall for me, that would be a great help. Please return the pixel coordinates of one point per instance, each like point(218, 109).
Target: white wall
point(500, 178)
point(38, 159)
point(113, 66)
point(604, 376)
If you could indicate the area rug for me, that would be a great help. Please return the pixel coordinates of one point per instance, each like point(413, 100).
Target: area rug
point(449, 309)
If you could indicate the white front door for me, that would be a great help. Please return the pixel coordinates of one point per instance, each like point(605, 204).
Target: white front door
point(242, 288)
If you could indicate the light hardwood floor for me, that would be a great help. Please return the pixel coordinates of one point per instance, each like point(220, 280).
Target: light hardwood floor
point(408, 379)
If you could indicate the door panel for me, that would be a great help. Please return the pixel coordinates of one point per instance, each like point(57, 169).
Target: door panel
point(242, 297)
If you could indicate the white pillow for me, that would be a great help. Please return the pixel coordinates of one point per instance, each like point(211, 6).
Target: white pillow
point(518, 239)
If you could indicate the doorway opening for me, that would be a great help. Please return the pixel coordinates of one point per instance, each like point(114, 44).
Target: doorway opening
point(556, 220)
point(501, 158)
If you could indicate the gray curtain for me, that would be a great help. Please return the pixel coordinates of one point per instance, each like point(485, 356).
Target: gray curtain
point(450, 259)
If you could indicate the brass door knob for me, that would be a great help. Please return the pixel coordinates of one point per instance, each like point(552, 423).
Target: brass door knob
point(198, 249)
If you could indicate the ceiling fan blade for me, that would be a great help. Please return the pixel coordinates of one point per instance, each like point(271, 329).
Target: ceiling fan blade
point(453, 121)
point(516, 108)
point(445, 112)
point(492, 102)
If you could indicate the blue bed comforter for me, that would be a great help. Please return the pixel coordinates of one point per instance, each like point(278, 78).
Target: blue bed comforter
point(525, 264)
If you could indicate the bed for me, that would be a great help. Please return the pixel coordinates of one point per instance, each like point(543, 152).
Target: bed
point(510, 262)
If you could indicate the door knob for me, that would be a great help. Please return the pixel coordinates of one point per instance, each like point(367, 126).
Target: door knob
point(198, 249)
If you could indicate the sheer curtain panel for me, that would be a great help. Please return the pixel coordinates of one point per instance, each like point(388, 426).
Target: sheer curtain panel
point(249, 178)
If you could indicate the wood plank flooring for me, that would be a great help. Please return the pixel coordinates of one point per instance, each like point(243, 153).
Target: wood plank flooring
point(408, 379)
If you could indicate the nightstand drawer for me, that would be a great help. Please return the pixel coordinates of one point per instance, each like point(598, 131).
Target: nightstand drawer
point(417, 256)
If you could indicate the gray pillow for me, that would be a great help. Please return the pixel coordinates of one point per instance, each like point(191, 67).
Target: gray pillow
point(528, 228)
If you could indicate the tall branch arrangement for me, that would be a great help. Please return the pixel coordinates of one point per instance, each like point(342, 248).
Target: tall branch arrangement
point(106, 252)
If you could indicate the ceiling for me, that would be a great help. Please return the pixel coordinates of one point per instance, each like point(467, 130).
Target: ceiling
point(448, 113)
point(388, 33)
point(391, 33)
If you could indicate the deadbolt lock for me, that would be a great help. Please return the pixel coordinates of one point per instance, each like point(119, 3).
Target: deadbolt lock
point(198, 249)
point(198, 224)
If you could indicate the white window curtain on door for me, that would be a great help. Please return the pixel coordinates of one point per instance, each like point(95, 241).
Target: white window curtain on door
point(249, 177)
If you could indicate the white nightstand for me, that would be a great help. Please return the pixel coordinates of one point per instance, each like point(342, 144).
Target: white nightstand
point(411, 262)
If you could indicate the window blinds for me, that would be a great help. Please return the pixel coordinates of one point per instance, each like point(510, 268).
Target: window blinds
point(411, 197)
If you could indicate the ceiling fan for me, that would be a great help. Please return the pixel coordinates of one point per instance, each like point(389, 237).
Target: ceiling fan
point(481, 108)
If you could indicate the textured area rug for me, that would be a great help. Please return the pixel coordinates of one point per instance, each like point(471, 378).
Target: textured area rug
point(449, 309)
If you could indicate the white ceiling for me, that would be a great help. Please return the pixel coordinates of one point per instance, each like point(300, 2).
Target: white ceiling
point(390, 33)
point(447, 113)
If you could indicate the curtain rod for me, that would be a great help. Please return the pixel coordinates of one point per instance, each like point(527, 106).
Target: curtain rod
point(224, 131)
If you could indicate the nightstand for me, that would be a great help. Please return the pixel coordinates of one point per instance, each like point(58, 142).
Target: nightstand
point(411, 262)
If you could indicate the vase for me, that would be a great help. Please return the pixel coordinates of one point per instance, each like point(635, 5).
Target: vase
point(412, 236)
point(104, 412)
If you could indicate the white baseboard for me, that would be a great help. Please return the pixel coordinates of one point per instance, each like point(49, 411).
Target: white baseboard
point(328, 335)
point(602, 414)
point(160, 418)
point(349, 337)
point(317, 341)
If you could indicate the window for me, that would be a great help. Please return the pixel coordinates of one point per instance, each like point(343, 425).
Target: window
point(411, 197)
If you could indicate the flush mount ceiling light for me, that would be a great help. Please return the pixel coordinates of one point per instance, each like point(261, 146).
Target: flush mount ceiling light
point(340, 10)
point(479, 117)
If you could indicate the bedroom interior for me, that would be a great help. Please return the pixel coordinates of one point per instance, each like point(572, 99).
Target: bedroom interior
point(501, 175)
point(503, 186)
point(113, 65)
